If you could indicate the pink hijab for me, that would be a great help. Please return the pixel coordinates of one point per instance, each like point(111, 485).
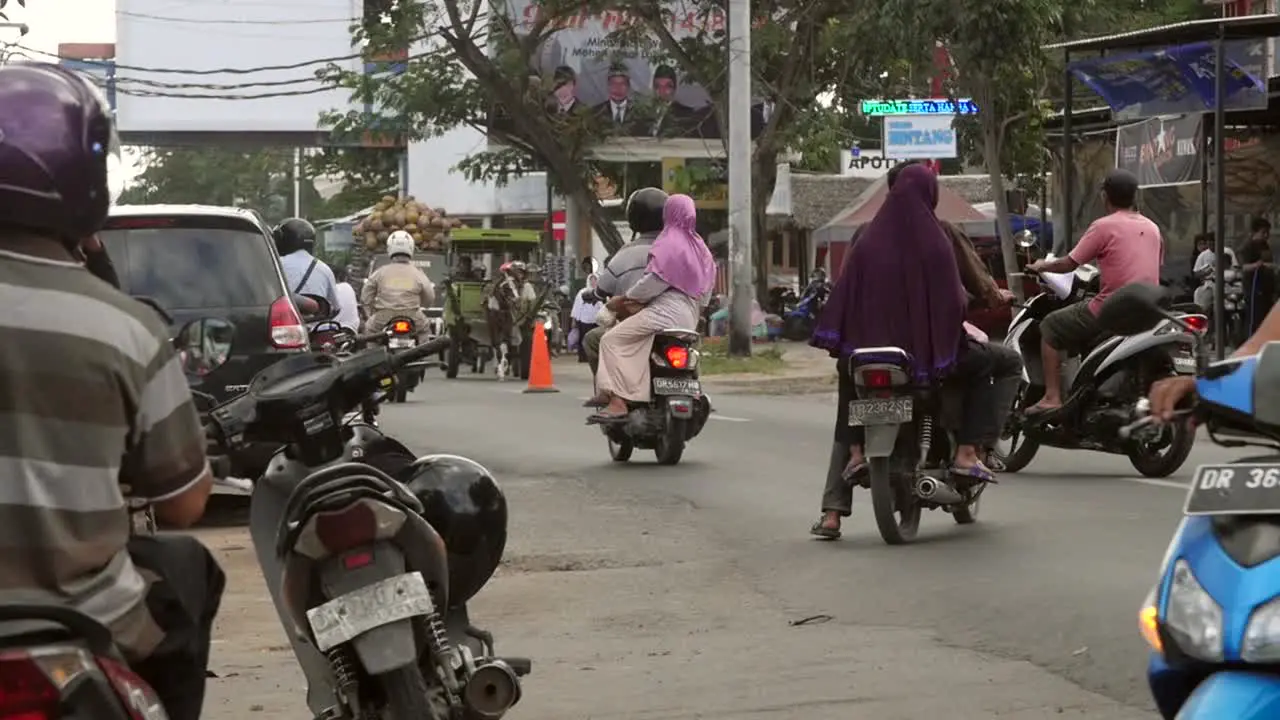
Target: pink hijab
point(679, 256)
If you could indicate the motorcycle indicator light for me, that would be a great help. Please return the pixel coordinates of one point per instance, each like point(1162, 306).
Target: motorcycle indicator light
point(1198, 323)
point(678, 357)
point(402, 327)
point(1149, 626)
point(877, 378)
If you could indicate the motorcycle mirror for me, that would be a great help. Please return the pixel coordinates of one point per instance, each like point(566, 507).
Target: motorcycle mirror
point(155, 305)
point(1133, 309)
point(1026, 239)
point(204, 345)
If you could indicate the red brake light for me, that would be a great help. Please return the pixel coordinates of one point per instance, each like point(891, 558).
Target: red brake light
point(402, 327)
point(352, 561)
point(138, 223)
point(26, 692)
point(348, 528)
point(1199, 323)
point(287, 332)
point(877, 378)
point(678, 357)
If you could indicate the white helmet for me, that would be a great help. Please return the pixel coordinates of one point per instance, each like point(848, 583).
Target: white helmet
point(400, 243)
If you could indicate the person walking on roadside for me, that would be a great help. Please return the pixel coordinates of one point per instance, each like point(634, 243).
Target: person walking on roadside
point(584, 313)
point(348, 307)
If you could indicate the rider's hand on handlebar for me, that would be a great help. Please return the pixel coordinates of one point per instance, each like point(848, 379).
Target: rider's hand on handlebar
point(1167, 393)
point(1006, 296)
point(1037, 267)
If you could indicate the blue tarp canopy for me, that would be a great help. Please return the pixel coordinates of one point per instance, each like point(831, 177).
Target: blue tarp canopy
point(1177, 80)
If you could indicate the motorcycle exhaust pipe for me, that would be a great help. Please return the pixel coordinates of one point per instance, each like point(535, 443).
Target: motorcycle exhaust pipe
point(492, 690)
point(934, 491)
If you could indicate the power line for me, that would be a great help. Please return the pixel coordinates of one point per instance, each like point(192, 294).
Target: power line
point(163, 18)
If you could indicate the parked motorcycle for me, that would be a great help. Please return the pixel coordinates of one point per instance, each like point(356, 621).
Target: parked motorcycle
point(1101, 387)
point(1212, 620)
point(799, 321)
point(677, 409)
point(369, 554)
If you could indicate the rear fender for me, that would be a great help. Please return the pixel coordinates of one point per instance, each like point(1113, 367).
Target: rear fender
point(1234, 694)
point(880, 440)
point(680, 407)
point(1160, 337)
point(383, 648)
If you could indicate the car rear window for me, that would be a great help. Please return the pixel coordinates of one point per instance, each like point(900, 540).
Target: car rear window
point(193, 262)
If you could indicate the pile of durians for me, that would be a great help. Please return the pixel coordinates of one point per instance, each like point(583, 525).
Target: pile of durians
point(427, 225)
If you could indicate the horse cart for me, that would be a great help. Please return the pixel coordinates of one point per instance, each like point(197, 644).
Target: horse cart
point(480, 312)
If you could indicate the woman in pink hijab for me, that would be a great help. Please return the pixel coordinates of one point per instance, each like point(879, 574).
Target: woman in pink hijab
point(677, 283)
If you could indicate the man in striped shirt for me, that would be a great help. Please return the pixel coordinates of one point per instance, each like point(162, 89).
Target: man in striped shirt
point(93, 404)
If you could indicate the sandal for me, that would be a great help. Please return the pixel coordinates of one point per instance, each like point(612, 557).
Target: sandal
point(823, 532)
point(974, 472)
point(597, 401)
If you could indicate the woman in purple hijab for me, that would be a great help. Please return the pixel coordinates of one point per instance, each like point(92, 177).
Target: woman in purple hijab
point(676, 284)
point(902, 286)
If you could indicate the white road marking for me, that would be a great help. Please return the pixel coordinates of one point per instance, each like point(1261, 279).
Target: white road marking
point(727, 418)
point(1175, 484)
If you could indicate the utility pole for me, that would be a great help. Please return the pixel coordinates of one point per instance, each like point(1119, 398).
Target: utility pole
point(739, 152)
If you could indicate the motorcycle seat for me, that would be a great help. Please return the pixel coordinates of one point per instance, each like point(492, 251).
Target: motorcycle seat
point(681, 334)
point(893, 355)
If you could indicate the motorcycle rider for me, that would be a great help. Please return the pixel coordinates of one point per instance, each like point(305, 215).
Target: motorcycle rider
point(1127, 248)
point(625, 268)
point(79, 354)
point(397, 289)
point(303, 272)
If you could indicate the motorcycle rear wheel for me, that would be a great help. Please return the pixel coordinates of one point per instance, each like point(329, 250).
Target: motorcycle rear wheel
point(1155, 465)
point(620, 447)
point(897, 526)
point(406, 695)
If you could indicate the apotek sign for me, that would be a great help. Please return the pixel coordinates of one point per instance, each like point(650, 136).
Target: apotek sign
point(865, 163)
point(920, 137)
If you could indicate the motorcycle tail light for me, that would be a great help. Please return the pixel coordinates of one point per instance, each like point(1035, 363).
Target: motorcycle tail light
point(1198, 323)
point(402, 327)
point(678, 357)
point(877, 378)
point(361, 523)
point(139, 699)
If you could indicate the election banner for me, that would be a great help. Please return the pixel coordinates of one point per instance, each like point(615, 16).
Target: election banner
point(1177, 80)
point(629, 87)
point(1161, 151)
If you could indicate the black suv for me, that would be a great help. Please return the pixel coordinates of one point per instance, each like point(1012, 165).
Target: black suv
point(197, 261)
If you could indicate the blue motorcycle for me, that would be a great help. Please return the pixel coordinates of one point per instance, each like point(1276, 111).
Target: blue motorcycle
point(1213, 618)
point(798, 322)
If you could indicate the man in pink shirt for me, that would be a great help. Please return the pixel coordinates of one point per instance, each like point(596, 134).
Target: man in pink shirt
point(1126, 248)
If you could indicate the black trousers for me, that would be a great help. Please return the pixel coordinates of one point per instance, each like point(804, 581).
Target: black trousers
point(985, 370)
point(583, 329)
point(184, 603)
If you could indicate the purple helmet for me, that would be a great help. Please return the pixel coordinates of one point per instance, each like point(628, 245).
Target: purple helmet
point(56, 133)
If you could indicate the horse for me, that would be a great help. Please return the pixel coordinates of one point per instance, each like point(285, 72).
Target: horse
point(500, 314)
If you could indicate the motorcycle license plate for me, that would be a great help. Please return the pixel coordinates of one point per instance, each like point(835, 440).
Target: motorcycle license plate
point(397, 598)
point(401, 342)
point(1242, 489)
point(676, 386)
point(880, 411)
point(1184, 364)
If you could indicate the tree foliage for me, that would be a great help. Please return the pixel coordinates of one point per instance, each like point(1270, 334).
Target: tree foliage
point(366, 173)
point(4, 16)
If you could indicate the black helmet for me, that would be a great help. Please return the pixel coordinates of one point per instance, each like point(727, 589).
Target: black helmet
point(293, 235)
point(56, 134)
point(464, 504)
point(644, 210)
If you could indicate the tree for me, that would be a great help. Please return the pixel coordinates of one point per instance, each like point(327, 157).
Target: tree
point(367, 174)
point(260, 179)
point(4, 17)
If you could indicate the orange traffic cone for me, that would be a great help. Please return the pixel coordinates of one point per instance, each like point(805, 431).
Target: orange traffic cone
point(540, 363)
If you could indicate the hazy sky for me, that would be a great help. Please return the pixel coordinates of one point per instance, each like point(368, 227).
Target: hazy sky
point(59, 21)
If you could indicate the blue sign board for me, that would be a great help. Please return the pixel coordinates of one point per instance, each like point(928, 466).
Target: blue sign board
point(919, 137)
point(1177, 80)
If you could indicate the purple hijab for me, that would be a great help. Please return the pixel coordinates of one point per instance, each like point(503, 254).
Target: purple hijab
point(901, 285)
point(679, 256)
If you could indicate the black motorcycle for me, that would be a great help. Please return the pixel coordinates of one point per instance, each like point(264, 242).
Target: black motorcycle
point(371, 554)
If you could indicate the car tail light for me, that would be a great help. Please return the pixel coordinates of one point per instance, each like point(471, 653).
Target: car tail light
point(139, 698)
point(1198, 323)
point(26, 692)
point(877, 378)
point(360, 523)
point(287, 332)
point(402, 327)
point(678, 357)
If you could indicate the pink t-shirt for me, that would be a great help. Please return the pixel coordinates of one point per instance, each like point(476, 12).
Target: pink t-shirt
point(1126, 248)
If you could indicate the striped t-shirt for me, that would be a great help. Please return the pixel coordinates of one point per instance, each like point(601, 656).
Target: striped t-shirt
point(92, 397)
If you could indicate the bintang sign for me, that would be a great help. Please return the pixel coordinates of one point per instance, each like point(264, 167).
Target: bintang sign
point(919, 128)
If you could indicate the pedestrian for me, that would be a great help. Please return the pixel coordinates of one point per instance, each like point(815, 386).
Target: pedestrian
point(348, 307)
point(584, 314)
point(1259, 272)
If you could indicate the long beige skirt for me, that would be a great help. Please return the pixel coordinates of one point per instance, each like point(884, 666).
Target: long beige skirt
point(625, 348)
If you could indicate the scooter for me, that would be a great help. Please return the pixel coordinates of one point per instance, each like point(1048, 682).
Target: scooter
point(364, 570)
point(1212, 620)
point(798, 322)
point(1101, 387)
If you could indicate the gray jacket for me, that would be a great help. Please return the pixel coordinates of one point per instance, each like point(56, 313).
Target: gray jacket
point(625, 268)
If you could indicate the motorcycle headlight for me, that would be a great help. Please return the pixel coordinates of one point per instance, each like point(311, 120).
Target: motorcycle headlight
point(1193, 618)
point(1262, 636)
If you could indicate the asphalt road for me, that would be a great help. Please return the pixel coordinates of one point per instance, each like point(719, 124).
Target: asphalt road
point(647, 592)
